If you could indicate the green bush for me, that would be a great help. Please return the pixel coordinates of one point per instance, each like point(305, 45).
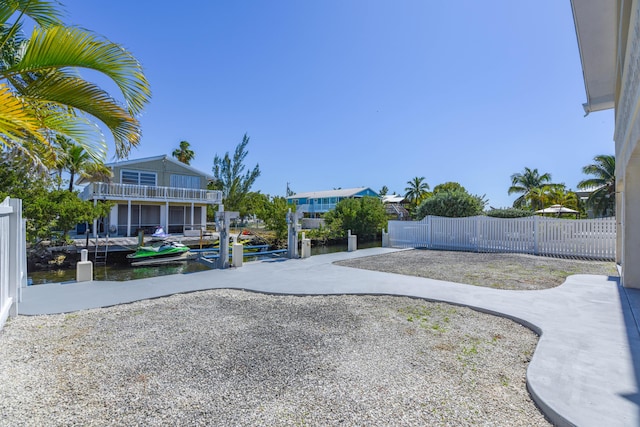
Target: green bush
point(509, 213)
point(452, 204)
point(365, 217)
point(274, 214)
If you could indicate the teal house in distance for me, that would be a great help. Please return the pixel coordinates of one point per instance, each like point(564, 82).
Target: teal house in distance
point(314, 204)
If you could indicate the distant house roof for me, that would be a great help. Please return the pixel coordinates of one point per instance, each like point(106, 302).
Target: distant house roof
point(343, 192)
point(584, 193)
point(392, 198)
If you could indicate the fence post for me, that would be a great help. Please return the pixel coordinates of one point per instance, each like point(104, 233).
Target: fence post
point(478, 219)
point(15, 256)
point(535, 235)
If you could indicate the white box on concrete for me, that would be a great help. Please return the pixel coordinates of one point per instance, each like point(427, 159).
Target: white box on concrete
point(305, 249)
point(352, 242)
point(84, 271)
point(237, 254)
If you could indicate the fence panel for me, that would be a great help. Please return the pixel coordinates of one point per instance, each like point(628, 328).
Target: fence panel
point(454, 234)
point(410, 234)
point(515, 235)
point(13, 257)
point(588, 238)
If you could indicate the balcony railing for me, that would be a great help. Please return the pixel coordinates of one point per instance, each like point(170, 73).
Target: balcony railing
point(315, 207)
point(111, 191)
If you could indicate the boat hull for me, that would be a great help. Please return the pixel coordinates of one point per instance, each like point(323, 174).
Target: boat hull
point(162, 260)
point(162, 252)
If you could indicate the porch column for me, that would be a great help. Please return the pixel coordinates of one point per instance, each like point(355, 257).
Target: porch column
point(128, 217)
point(113, 218)
point(166, 217)
point(95, 221)
point(191, 215)
point(203, 217)
point(631, 225)
point(619, 218)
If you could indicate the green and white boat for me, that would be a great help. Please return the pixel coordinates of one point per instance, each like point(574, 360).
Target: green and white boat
point(161, 254)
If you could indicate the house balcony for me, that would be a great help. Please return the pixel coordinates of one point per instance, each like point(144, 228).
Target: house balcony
point(314, 208)
point(112, 191)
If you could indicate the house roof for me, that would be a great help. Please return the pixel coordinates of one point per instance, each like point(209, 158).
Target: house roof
point(597, 33)
point(392, 198)
point(154, 158)
point(343, 192)
point(82, 180)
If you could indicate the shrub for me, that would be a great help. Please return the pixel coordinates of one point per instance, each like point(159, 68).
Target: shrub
point(452, 204)
point(365, 217)
point(509, 213)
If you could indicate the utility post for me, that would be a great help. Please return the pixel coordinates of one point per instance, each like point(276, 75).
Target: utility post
point(292, 233)
point(223, 220)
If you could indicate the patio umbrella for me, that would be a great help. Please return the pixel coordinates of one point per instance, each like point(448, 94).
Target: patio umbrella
point(557, 210)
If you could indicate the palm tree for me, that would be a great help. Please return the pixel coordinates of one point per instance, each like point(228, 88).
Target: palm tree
point(74, 159)
point(43, 96)
point(603, 198)
point(416, 190)
point(184, 154)
point(525, 182)
point(537, 198)
point(559, 195)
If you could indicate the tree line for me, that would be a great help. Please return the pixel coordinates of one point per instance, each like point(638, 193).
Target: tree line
point(536, 191)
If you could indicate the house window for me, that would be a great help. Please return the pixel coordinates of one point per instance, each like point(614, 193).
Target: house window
point(184, 181)
point(138, 178)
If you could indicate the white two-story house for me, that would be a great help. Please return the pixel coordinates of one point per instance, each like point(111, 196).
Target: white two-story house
point(152, 192)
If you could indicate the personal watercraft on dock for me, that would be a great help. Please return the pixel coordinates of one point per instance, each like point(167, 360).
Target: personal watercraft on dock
point(164, 253)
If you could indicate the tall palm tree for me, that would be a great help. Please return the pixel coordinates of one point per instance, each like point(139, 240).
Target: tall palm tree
point(42, 94)
point(184, 153)
point(416, 190)
point(523, 183)
point(603, 199)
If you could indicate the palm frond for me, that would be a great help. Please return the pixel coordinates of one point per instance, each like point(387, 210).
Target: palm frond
point(43, 12)
point(59, 47)
point(80, 129)
point(17, 124)
point(69, 90)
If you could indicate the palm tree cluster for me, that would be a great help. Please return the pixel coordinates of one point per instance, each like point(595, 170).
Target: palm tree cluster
point(529, 184)
point(537, 191)
point(43, 97)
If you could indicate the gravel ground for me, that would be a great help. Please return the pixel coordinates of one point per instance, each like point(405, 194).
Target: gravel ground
point(228, 357)
point(501, 271)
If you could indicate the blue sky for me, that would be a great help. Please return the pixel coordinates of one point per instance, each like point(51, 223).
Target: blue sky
point(349, 93)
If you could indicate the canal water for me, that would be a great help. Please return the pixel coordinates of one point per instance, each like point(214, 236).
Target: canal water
point(124, 272)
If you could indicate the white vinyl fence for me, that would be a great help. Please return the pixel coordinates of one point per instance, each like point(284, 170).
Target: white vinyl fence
point(586, 238)
point(13, 257)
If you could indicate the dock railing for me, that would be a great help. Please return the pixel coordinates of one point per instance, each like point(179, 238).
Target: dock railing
point(583, 238)
point(13, 257)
